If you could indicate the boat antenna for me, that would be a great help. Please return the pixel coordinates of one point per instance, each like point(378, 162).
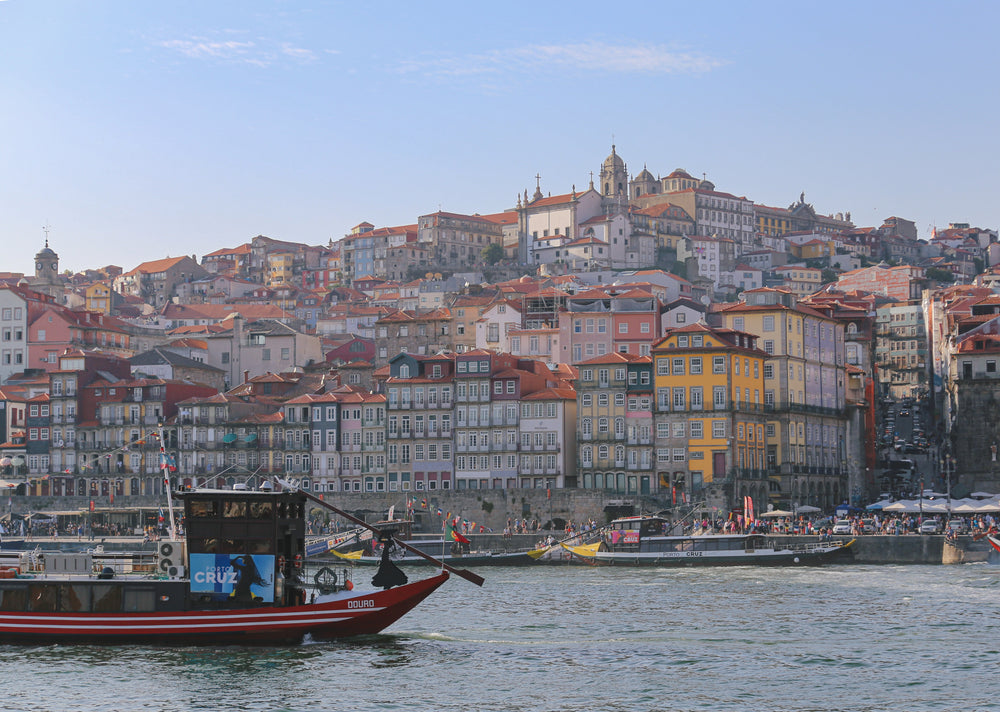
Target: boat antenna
point(165, 468)
point(464, 573)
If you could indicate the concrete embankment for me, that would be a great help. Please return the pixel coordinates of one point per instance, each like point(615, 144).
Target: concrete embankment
point(912, 549)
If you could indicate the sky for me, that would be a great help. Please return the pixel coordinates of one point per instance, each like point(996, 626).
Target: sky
point(133, 131)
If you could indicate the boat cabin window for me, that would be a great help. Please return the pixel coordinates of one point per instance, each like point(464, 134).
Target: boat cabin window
point(74, 597)
point(13, 599)
point(205, 508)
point(234, 510)
point(42, 597)
point(107, 598)
point(139, 600)
point(262, 510)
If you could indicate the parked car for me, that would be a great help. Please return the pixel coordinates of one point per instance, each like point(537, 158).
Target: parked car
point(867, 526)
point(842, 526)
point(957, 526)
point(930, 526)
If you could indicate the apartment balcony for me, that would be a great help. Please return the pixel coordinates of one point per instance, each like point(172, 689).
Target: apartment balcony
point(536, 471)
point(639, 441)
point(535, 447)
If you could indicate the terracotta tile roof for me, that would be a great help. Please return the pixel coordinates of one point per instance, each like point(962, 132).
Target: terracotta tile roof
point(243, 249)
point(156, 265)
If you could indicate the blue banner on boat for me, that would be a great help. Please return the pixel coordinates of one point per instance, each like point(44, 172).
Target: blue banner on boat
point(233, 575)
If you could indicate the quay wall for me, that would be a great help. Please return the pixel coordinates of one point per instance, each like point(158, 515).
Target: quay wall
point(491, 508)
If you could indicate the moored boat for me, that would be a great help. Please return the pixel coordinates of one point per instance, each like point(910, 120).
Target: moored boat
point(239, 576)
point(444, 551)
point(640, 541)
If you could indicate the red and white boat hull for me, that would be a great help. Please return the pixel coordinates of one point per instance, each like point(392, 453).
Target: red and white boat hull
point(357, 615)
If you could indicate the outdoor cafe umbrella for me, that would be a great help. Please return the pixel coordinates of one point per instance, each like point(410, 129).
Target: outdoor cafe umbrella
point(807, 509)
point(775, 513)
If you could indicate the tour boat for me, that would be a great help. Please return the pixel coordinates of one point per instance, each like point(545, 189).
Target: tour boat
point(640, 541)
point(422, 551)
point(238, 576)
point(994, 541)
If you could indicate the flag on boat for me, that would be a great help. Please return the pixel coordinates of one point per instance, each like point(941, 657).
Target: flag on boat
point(440, 512)
point(450, 532)
point(159, 518)
point(423, 503)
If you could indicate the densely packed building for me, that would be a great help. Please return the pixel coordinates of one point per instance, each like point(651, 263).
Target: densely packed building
point(641, 335)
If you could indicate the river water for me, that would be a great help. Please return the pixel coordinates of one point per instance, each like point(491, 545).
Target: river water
point(578, 638)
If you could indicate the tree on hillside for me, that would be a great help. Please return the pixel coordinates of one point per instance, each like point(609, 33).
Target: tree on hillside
point(492, 254)
point(939, 274)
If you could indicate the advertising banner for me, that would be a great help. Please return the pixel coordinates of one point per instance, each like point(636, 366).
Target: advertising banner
point(243, 577)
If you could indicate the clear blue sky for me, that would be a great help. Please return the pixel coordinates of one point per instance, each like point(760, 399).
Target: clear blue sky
point(140, 130)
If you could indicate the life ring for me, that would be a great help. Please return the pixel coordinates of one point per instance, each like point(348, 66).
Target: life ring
point(326, 580)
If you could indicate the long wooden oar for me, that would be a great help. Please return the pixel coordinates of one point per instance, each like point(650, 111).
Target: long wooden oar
point(464, 573)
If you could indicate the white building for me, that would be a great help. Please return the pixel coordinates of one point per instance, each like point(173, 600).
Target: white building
point(13, 332)
point(494, 327)
point(543, 217)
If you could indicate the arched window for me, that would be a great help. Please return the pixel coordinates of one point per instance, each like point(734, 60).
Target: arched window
point(404, 370)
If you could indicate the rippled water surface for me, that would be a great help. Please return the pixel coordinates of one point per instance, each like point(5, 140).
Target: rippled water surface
point(836, 638)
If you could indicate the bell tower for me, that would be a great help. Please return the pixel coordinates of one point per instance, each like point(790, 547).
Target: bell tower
point(47, 270)
point(614, 177)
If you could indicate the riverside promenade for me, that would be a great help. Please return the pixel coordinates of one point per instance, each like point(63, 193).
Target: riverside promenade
point(872, 549)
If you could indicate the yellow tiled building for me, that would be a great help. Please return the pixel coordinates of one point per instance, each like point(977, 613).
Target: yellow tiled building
point(709, 415)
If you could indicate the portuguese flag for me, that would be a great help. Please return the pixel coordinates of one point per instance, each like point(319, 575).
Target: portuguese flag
point(453, 534)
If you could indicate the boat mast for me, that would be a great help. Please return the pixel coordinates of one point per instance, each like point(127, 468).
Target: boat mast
point(464, 573)
point(165, 467)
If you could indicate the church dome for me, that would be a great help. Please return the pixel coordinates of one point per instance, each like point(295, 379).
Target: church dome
point(45, 253)
point(614, 161)
point(645, 175)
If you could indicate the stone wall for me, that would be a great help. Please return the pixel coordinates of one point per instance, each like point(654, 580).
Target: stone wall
point(491, 508)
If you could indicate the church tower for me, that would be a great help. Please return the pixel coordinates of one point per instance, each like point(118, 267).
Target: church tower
point(46, 278)
point(614, 177)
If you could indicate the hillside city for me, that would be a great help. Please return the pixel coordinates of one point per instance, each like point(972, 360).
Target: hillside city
point(643, 335)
